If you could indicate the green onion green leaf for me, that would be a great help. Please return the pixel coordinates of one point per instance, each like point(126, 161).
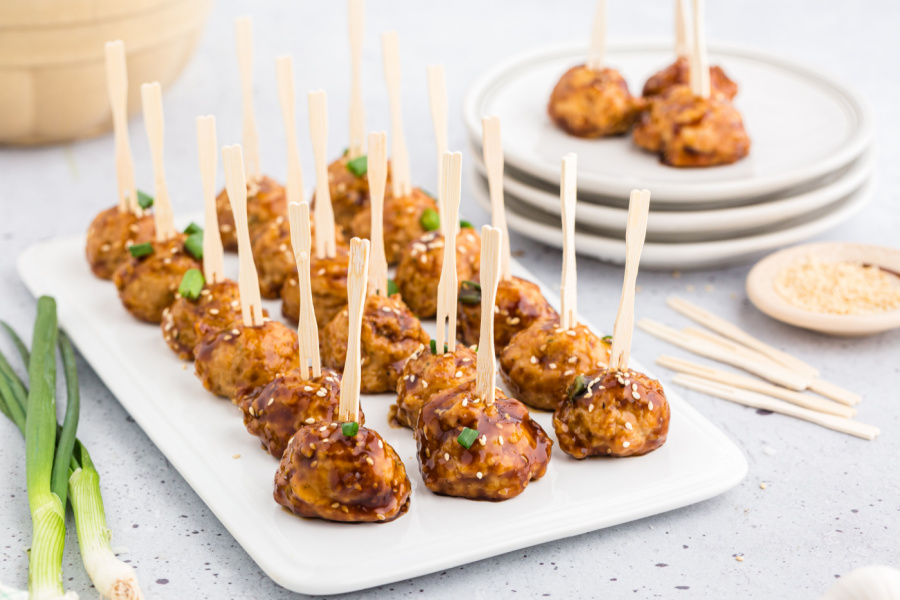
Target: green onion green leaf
point(141, 250)
point(145, 200)
point(430, 220)
point(350, 428)
point(470, 293)
point(194, 245)
point(193, 228)
point(359, 166)
point(191, 284)
point(467, 437)
point(392, 287)
point(465, 224)
point(606, 339)
point(577, 387)
point(433, 346)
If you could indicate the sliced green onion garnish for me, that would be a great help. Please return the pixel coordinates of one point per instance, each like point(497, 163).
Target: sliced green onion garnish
point(145, 201)
point(350, 429)
point(577, 387)
point(191, 284)
point(470, 293)
point(430, 220)
point(606, 339)
point(194, 245)
point(467, 437)
point(433, 345)
point(465, 224)
point(193, 228)
point(359, 166)
point(392, 287)
point(141, 250)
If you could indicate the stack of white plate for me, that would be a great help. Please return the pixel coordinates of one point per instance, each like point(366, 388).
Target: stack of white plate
point(811, 165)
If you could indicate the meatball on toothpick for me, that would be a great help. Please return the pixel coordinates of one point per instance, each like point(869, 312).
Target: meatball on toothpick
point(255, 350)
point(390, 332)
point(446, 364)
point(592, 100)
point(341, 470)
point(616, 411)
point(116, 229)
point(148, 281)
point(520, 303)
point(541, 362)
point(207, 302)
point(328, 264)
point(308, 394)
point(265, 197)
point(473, 442)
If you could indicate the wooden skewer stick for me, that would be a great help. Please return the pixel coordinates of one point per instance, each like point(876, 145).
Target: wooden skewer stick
point(307, 329)
point(490, 277)
point(151, 97)
point(213, 258)
point(754, 400)
point(284, 69)
point(377, 171)
point(356, 299)
point(437, 97)
point(568, 291)
point(598, 38)
point(635, 232)
point(700, 63)
point(755, 385)
point(323, 214)
point(492, 149)
point(682, 41)
point(248, 282)
point(243, 29)
point(356, 11)
point(401, 180)
point(451, 184)
point(731, 331)
point(117, 86)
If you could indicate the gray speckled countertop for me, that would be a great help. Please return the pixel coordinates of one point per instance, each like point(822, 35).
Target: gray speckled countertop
point(831, 501)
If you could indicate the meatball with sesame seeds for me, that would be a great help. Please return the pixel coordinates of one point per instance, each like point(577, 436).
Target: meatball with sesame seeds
point(541, 362)
point(148, 284)
point(328, 280)
point(588, 103)
point(266, 200)
point(349, 188)
point(612, 413)
point(110, 235)
point(354, 478)
point(427, 374)
point(402, 222)
point(504, 451)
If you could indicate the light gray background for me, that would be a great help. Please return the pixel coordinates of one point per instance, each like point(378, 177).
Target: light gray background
point(832, 501)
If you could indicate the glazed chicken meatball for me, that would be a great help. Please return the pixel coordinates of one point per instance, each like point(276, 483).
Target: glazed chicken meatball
point(234, 361)
point(349, 187)
point(689, 131)
point(265, 201)
point(427, 374)
point(541, 362)
point(679, 73)
point(519, 305)
point(510, 449)
point(592, 104)
point(110, 235)
point(148, 284)
point(390, 334)
point(612, 413)
point(328, 280)
point(419, 272)
point(328, 475)
point(402, 222)
point(273, 413)
point(186, 321)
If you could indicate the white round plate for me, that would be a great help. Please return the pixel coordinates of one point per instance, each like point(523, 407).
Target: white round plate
point(700, 225)
point(546, 229)
point(803, 124)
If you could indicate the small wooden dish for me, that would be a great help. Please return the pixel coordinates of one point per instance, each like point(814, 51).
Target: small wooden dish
point(761, 289)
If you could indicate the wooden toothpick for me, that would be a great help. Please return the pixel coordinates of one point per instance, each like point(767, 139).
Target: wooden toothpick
point(682, 40)
point(437, 98)
point(492, 148)
point(323, 214)
point(243, 29)
point(451, 184)
point(307, 329)
point(356, 299)
point(598, 38)
point(151, 97)
point(213, 267)
point(236, 185)
point(700, 63)
point(490, 277)
point(117, 86)
point(356, 10)
point(638, 210)
point(401, 180)
point(568, 291)
point(284, 69)
point(377, 171)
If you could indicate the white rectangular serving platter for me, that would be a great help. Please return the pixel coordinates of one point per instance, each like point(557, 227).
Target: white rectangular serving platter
point(200, 434)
